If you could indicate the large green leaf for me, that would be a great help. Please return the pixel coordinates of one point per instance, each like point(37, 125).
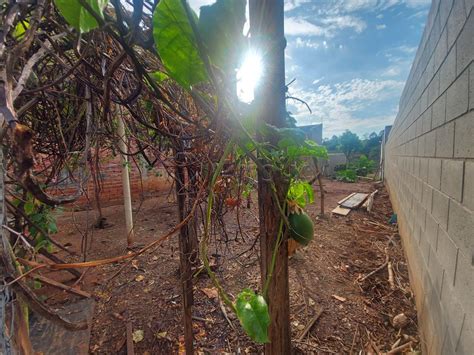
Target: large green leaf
point(301, 193)
point(252, 311)
point(176, 43)
point(220, 27)
point(77, 16)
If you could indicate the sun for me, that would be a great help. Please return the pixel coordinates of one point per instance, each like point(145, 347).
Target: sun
point(248, 76)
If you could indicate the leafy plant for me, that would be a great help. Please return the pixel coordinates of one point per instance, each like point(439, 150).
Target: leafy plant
point(347, 175)
point(42, 216)
point(364, 165)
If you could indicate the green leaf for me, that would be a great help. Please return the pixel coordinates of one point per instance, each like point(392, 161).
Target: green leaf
point(159, 76)
point(43, 243)
point(77, 16)
point(20, 29)
point(221, 29)
point(176, 43)
point(29, 207)
point(301, 193)
point(252, 311)
point(37, 284)
point(52, 227)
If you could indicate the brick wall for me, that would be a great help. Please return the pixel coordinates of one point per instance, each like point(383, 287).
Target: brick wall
point(429, 170)
point(143, 183)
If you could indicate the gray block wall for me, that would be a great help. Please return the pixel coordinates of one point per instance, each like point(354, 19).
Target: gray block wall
point(429, 171)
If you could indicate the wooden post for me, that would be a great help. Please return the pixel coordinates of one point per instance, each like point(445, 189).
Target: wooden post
point(186, 252)
point(320, 183)
point(127, 198)
point(267, 35)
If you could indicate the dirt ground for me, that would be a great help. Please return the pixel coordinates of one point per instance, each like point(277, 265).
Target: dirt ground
point(357, 315)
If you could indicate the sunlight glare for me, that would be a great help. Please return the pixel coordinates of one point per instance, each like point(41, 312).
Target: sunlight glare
point(248, 76)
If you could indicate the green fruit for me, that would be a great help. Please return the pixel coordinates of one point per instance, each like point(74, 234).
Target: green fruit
point(301, 228)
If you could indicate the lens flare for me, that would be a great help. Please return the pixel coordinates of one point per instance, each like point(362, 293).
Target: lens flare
point(248, 76)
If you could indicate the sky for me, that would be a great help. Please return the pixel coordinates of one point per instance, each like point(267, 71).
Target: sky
point(349, 59)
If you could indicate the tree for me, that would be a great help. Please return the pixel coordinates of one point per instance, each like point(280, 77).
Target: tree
point(332, 144)
point(350, 144)
point(266, 25)
point(371, 146)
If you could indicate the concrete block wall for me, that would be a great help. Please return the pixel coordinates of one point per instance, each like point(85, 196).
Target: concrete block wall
point(429, 171)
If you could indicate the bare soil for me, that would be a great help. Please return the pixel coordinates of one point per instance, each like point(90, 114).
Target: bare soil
point(324, 276)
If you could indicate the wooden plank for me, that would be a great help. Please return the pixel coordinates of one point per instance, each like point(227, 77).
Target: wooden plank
point(370, 201)
point(355, 201)
point(341, 211)
point(346, 198)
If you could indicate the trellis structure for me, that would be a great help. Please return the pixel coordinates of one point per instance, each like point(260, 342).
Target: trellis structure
point(67, 87)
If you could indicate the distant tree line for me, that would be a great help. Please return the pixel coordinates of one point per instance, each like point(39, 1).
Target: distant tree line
point(353, 146)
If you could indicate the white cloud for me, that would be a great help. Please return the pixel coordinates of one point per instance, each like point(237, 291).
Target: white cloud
point(293, 4)
point(406, 49)
point(381, 27)
point(348, 6)
point(385, 4)
point(417, 3)
point(391, 71)
point(306, 43)
point(356, 5)
point(341, 22)
point(329, 27)
point(339, 106)
point(315, 81)
point(295, 26)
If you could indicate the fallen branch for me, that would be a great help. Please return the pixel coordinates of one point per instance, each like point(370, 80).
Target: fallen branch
point(400, 348)
point(310, 324)
point(390, 275)
point(224, 312)
point(381, 267)
point(61, 286)
point(372, 343)
point(130, 348)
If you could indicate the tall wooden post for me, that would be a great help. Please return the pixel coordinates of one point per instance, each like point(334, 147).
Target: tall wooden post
point(267, 35)
point(127, 196)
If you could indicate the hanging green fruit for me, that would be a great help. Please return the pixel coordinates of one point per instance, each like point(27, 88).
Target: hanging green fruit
point(301, 227)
